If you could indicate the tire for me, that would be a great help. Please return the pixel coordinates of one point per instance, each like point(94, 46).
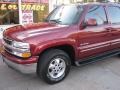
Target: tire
point(53, 66)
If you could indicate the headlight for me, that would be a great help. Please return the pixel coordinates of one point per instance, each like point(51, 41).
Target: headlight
point(21, 45)
point(23, 49)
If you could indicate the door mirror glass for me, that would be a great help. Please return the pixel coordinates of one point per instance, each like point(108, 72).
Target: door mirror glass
point(91, 22)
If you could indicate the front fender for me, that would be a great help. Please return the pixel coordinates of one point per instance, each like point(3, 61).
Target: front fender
point(54, 43)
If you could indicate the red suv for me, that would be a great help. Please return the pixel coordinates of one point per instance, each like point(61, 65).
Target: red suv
point(74, 34)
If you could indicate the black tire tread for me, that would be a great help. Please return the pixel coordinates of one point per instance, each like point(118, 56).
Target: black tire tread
point(43, 61)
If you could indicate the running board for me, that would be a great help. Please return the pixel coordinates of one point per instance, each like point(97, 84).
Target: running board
point(97, 58)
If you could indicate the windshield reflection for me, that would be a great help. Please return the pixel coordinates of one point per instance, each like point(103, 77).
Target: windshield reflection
point(66, 15)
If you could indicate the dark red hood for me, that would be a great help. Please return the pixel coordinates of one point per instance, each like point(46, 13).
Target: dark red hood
point(31, 31)
point(13, 31)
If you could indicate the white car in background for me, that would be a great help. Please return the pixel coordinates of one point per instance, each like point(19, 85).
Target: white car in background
point(4, 27)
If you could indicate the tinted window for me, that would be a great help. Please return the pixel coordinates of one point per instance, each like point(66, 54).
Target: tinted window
point(114, 14)
point(97, 13)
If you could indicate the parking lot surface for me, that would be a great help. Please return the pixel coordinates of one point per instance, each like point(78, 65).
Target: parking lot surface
point(102, 75)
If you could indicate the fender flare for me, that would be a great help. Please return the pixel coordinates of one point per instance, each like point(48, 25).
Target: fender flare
point(54, 43)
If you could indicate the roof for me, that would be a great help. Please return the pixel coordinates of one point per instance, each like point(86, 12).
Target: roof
point(108, 3)
point(97, 3)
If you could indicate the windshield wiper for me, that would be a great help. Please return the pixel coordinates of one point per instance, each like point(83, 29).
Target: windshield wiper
point(55, 20)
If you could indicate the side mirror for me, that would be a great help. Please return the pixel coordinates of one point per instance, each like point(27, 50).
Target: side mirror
point(91, 22)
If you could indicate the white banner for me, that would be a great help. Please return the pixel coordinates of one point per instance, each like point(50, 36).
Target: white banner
point(27, 17)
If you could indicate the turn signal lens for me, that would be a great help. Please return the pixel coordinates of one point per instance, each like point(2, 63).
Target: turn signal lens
point(1, 49)
point(26, 54)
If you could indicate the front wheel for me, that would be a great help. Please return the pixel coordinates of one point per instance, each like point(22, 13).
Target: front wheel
point(53, 66)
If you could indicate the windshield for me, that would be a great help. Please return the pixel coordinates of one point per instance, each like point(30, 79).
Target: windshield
point(65, 15)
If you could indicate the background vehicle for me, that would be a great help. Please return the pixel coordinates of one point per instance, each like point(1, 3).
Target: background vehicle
point(71, 35)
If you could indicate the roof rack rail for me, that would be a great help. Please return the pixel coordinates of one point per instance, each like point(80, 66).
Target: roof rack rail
point(107, 1)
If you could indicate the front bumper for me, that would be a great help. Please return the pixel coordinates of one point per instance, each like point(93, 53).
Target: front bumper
point(27, 66)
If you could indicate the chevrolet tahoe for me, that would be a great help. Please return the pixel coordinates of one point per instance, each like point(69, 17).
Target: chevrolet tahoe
point(75, 34)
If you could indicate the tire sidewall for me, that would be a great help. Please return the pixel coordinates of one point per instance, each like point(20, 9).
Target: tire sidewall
point(66, 69)
point(44, 62)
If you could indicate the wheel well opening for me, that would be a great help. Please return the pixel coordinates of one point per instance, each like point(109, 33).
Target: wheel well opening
point(69, 50)
point(66, 48)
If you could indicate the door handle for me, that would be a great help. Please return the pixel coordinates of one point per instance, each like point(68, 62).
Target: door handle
point(110, 28)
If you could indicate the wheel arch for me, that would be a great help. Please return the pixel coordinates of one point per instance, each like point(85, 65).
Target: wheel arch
point(67, 48)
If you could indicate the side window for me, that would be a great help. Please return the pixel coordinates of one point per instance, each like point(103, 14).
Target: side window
point(114, 14)
point(97, 13)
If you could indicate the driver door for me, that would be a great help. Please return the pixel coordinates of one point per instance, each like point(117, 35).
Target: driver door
point(94, 40)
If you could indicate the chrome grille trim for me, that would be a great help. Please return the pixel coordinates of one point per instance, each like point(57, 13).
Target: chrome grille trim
point(7, 50)
point(11, 49)
point(7, 41)
point(7, 44)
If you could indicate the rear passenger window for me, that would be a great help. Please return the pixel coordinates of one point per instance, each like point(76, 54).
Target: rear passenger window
point(114, 14)
point(97, 13)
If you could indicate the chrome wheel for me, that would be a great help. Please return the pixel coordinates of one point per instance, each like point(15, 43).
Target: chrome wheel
point(53, 66)
point(56, 68)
